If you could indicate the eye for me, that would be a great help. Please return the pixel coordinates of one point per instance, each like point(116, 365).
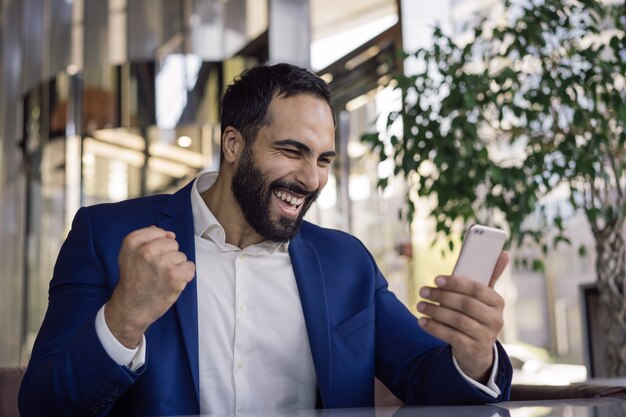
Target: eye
point(291, 152)
point(324, 162)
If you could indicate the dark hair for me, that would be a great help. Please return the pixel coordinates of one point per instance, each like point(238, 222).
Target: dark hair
point(246, 100)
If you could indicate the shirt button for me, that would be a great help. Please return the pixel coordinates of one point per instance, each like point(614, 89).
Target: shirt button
point(240, 365)
point(242, 308)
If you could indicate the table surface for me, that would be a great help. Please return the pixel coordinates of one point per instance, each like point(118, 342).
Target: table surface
point(594, 407)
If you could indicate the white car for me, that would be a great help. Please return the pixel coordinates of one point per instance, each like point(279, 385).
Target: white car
point(530, 369)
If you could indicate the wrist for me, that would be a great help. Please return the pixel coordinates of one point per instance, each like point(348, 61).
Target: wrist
point(481, 377)
point(127, 331)
point(478, 370)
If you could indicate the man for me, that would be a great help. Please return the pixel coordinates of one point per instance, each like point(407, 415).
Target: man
point(219, 298)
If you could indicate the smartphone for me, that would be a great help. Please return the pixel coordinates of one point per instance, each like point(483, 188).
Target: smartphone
point(480, 251)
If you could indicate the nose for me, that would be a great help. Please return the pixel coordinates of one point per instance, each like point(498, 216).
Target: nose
point(309, 176)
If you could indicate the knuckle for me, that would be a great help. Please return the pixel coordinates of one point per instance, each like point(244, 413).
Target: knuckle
point(466, 323)
point(171, 271)
point(439, 297)
point(181, 272)
point(170, 260)
point(499, 323)
point(442, 297)
point(163, 264)
point(145, 251)
point(131, 239)
point(456, 339)
point(190, 268)
point(500, 303)
point(476, 290)
point(175, 258)
point(167, 245)
point(467, 304)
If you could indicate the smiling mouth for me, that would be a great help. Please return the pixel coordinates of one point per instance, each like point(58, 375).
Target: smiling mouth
point(290, 201)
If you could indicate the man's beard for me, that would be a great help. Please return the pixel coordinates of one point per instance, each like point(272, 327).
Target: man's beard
point(254, 195)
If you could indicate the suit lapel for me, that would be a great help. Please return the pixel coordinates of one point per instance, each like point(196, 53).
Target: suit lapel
point(178, 218)
point(310, 281)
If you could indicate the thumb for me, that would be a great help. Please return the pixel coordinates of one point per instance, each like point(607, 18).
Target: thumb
point(501, 264)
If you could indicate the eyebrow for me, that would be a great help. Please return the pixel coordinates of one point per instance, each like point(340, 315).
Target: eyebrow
point(304, 148)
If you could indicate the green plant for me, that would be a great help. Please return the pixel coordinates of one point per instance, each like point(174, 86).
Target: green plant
point(531, 104)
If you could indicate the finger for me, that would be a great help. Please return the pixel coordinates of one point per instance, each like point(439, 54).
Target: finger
point(187, 270)
point(140, 236)
point(464, 304)
point(171, 259)
point(444, 332)
point(470, 288)
point(181, 274)
point(455, 320)
point(156, 248)
point(501, 264)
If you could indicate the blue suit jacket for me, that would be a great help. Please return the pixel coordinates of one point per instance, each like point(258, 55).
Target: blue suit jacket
point(356, 327)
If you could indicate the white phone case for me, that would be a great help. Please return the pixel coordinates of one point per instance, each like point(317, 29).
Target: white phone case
point(480, 251)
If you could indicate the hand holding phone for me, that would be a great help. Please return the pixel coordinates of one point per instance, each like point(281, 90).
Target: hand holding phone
point(480, 251)
point(467, 315)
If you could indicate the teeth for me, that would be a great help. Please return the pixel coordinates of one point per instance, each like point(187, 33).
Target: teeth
point(289, 198)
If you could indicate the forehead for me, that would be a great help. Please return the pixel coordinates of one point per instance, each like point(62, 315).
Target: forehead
point(302, 117)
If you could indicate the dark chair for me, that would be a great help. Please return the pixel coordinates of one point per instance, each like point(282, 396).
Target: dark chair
point(529, 392)
point(564, 392)
point(10, 379)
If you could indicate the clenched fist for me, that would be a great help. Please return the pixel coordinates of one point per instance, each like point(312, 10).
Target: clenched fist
point(153, 273)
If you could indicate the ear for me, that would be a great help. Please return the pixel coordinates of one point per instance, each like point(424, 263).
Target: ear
point(232, 144)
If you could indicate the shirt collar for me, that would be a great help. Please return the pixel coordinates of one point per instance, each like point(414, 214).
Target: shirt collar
point(206, 225)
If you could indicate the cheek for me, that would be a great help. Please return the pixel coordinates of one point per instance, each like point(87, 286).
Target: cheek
point(273, 169)
point(286, 169)
point(281, 171)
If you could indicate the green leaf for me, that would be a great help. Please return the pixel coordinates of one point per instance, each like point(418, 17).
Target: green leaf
point(492, 135)
point(559, 239)
point(558, 221)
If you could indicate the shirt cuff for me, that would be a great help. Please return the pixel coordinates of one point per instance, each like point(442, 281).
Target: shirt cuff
point(133, 359)
point(491, 388)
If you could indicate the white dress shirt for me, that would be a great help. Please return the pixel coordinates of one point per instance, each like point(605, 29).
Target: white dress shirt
point(255, 353)
point(254, 349)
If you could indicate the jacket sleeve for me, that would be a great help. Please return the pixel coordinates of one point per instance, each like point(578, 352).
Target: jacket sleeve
point(69, 373)
point(418, 367)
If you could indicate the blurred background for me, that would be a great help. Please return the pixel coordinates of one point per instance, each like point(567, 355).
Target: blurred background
point(103, 100)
